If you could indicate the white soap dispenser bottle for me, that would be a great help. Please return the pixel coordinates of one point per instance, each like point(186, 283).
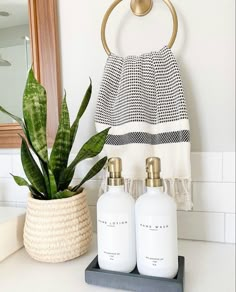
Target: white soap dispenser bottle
point(116, 224)
point(156, 227)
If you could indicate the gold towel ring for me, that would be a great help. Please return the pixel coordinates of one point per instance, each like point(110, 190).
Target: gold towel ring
point(116, 2)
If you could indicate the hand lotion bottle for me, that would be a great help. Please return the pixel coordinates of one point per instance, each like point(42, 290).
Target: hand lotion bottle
point(156, 227)
point(116, 224)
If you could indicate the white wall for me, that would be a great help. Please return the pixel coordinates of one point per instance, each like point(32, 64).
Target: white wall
point(204, 49)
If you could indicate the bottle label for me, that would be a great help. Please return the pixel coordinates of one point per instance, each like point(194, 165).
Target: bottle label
point(157, 240)
point(113, 234)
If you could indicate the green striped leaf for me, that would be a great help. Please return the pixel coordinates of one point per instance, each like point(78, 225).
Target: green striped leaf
point(35, 115)
point(61, 148)
point(25, 130)
point(90, 149)
point(17, 119)
point(36, 194)
point(65, 178)
point(53, 184)
point(92, 172)
point(63, 194)
point(81, 111)
point(31, 168)
point(22, 182)
point(45, 171)
point(43, 164)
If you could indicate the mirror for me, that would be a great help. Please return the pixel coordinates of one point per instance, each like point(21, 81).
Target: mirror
point(15, 55)
point(28, 35)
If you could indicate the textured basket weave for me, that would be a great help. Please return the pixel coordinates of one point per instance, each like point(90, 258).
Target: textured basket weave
point(57, 230)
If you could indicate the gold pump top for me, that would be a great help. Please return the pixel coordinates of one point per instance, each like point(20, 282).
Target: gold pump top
point(115, 169)
point(153, 169)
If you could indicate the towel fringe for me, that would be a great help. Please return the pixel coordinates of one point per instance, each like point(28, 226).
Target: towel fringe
point(177, 188)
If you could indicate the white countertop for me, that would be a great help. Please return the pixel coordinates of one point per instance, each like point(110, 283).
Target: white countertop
point(210, 267)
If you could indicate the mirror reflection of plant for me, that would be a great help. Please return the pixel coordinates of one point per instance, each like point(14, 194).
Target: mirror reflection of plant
point(51, 180)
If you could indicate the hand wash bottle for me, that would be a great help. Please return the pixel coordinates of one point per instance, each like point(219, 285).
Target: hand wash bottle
point(116, 224)
point(156, 227)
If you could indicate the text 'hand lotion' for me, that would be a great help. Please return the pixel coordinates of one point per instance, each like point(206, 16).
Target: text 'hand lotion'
point(116, 224)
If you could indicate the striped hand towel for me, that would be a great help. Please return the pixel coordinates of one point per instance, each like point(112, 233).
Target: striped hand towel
point(142, 99)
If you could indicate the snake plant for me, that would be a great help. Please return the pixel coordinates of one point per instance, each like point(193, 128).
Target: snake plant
point(50, 177)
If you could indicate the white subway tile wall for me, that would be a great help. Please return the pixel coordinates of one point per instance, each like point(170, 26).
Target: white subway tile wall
point(17, 168)
point(229, 166)
point(205, 226)
point(5, 166)
point(213, 174)
point(207, 166)
point(230, 228)
point(214, 197)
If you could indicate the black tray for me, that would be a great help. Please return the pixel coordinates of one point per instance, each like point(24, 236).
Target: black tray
point(134, 281)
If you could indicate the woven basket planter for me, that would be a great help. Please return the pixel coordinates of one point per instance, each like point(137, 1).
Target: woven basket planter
point(57, 230)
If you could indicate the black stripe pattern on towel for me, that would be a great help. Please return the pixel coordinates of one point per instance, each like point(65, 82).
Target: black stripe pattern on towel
point(146, 138)
point(133, 91)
